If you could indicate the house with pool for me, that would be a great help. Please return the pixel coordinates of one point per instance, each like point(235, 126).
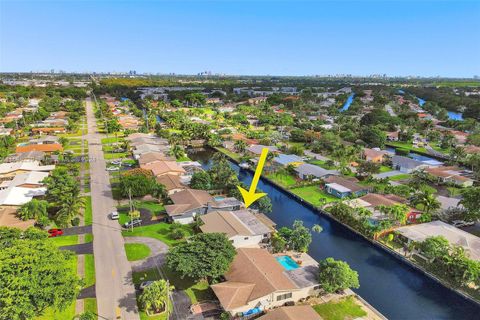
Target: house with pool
point(258, 280)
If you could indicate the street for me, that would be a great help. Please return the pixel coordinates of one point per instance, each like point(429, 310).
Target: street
point(114, 287)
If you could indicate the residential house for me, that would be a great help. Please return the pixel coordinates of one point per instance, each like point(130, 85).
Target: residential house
point(258, 281)
point(257, 100)
point(49, 130)
point(146, 148)
point(256, 149)
point(25, 156)
point(30, 179)
point(373, 201)
point(187, 204)
point(449, 203)
point(5, 131)
point(407, 165)
point(372, 155)
point(342, 188)
point(284, 160)
point(455, 236)
point(241, 227)
point(300, 312)
point(311, 171)
point(392, 136)
point(450, 174)
point(9, 218)
point(225, 204)
point(18, 196)
point(172, 183)
point(160, 168)
point(43, 147)
point(11, 169)
point(150, 157)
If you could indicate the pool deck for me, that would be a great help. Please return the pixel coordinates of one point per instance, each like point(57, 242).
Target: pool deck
point(302, 259)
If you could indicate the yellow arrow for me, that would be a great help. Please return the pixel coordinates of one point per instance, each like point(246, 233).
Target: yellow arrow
point(250, 196)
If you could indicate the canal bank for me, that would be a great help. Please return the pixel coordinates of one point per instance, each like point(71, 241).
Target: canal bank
point(397, 290)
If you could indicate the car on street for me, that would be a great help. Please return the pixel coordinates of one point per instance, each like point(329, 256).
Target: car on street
point(133, 223)
point(462, 223)
point(54, 232)
point(114, 215)
point(113, 168)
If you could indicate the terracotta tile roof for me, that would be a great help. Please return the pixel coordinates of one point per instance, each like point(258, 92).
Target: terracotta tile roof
point(349, 184)
point(49, 129)
point(224, 222)
point(149, 157)
point(170, 181)
point(162, 167)
point(188, 199)
point(50, 147)
point(254, 273)
point(292, 313)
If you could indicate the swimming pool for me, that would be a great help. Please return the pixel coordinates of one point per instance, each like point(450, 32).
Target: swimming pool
point(287, 262)
point(219, 198)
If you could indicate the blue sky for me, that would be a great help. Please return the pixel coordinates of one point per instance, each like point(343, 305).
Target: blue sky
point(426, 38)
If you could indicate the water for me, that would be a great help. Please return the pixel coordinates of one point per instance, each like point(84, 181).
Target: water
point(287, 262)
point(393, 287)
point(421, 102)
point(455, 116)
point(348, 102)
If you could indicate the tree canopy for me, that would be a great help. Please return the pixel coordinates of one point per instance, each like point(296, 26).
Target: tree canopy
point(335, 276)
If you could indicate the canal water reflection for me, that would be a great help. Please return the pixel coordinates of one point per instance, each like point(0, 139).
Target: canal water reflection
point(394, 288)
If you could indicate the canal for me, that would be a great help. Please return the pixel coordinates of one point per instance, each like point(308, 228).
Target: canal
point(393, 287)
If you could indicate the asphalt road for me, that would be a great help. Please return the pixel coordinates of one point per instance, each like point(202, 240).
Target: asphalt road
point(114, 287)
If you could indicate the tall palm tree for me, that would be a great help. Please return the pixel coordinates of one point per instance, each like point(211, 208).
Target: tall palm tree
point(69, 209)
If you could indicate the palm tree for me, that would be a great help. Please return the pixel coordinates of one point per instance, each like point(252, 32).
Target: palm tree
point(33, 209)
point(155, 296)
point(428, 202)
point(69, 209)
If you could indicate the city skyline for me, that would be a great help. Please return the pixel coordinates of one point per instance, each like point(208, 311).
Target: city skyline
point(361, 38)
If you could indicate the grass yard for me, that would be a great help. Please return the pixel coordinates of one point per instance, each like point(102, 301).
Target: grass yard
point(406, 145)
point(117, 155)
point(88, 211)
point(160, 231)
point(52, 314)
point(197, 291)
point(385, 169)
point(340, 310)
point(136, 251)
point(314, 195)
point(322, 164)
point(229, 153)
point(282, 178)
point(89, 270)
point(402, 176)
point(90, 304)
point(154, 207)
point(88, 237)
point(64, 240)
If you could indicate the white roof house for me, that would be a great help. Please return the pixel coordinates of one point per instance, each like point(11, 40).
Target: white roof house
point(32, 179)
point(24, 166)
point(17, 196)
point(455, 236)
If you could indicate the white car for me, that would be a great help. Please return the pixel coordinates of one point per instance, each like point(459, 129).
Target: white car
point(114, 215)
point(113, 168)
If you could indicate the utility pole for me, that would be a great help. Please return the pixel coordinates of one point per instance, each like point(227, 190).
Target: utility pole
point(131, 208)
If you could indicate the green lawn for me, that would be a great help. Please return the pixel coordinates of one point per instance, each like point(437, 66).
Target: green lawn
point(90, 304)
point(313, 194)
point(136, 251)
point(154, 207)
point(385, 169)
point(197, 291)
point(88, 238)
point(113, 139)
point(88, 211)
point(406, 145)
point(89, 270)
point(402, 176)
point(340, 310)
point(229, 153)
point(64, 240)
point(160, 231)
point(322, 164)
point(118, 155)
point(282, 178)
point(51, 314)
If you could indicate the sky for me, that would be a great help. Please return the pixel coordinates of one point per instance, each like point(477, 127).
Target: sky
point(397, 38)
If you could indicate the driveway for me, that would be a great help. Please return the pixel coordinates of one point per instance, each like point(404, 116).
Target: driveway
point(181, 305)
point(77, 230)
point(83, 248)
point(114, 286)
point(156, 259)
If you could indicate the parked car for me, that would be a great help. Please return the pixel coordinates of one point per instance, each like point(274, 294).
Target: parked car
point(133, 223)
point(113, 168)
point(145, 284)
point(117, 162)
point(114, 215)
point(55, 232)
point(462, 223)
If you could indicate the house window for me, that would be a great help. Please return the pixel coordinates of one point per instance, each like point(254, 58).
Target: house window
point(284, 296)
